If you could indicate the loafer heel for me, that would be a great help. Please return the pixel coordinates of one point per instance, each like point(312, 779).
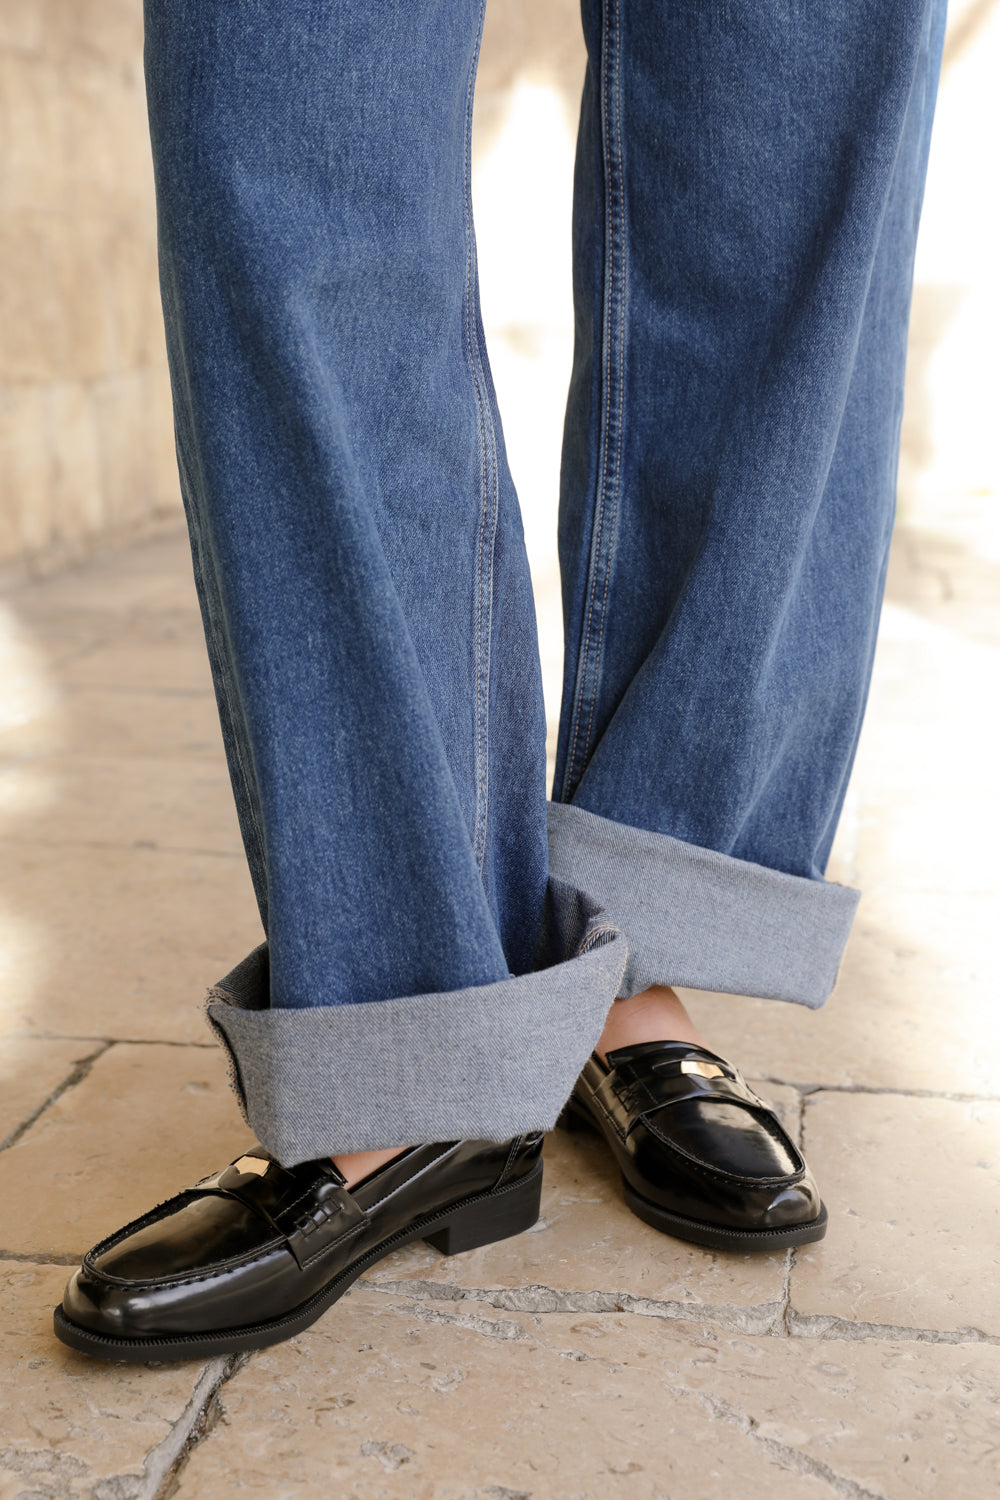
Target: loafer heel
point(507, 1212)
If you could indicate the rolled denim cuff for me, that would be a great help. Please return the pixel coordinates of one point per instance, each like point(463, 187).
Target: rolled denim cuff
point(489, 1062)
point(625, 909)
point(700, 919)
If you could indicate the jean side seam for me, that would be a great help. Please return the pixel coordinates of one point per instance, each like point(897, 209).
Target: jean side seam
point(488, 515)
point(619, 222)
point(609, 468)
point(215, 614)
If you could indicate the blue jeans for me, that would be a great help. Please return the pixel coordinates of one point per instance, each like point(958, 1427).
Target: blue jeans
point(442, 949)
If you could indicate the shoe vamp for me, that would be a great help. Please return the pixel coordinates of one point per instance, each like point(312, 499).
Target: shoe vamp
point(724, 1136)
point(197, 1237)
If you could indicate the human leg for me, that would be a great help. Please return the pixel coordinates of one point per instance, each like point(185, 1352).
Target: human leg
point(361, 566)
point(748, 188)
point(369, 616)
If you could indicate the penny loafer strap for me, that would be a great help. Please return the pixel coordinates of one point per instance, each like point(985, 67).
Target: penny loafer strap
point(313, 1211)
point(329, 1216)
point(642, 1089)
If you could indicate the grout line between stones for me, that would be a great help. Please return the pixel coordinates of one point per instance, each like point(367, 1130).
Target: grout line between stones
point(165, 1462)
point(765, 1319)
point(780, 1454)
point(800, 1123)
point(809, 1091)
point(787, 1312)
point(145, 846)
point(76, 1075)
point(109, 1041)
point(752, 1321)
point(826, 1326)
point(40, 1258)
point(786, 1292)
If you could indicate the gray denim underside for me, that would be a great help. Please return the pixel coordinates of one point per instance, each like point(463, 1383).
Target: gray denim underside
point(704, 920)
point(625, 909)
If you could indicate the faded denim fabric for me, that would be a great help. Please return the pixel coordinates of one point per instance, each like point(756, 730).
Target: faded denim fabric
point(748, 186)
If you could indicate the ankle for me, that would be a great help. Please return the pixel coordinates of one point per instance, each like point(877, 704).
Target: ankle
point(356, 1165)
point(654, 1015)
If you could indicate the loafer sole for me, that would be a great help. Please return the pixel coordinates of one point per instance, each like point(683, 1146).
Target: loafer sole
point(476, 1221)
point(717, 1236)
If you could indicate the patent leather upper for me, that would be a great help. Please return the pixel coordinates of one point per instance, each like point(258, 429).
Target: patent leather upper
point(256, 1240)
point(692, 1138)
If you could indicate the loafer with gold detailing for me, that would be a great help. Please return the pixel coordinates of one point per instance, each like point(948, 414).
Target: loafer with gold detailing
point(256, 1253)
point(701, 1156)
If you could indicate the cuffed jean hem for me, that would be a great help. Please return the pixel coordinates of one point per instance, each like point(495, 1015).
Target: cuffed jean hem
point(625, 909)
point(487, 1063)
point(701, 919)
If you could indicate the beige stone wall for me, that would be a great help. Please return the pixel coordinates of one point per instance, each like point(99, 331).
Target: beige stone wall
point(86, 446)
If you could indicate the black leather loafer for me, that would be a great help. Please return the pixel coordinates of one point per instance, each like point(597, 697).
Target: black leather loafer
point(256, 1253)
point(701, 1156)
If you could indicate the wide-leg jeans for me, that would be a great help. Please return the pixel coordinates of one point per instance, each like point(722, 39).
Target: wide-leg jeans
point(442, 946)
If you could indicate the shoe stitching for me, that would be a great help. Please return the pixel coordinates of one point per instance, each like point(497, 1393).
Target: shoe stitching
point(596, 1099)
point(763, 1115)
point(705, 1169)
point(221, 1268)
point(174, 1205)
point(514, 1145)
point(322, 1250)
point(179, 1199)
point(431, 1216)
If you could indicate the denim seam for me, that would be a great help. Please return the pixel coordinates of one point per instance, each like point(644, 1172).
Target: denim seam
point(590, 941)
point(488, 516)
point(221, 675)
point(613, 334)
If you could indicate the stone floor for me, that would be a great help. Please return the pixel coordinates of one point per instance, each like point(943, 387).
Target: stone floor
point(590, 1357)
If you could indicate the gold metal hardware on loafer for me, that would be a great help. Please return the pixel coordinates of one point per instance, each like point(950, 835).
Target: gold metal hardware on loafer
point(703, 1069)
point(254, 1166)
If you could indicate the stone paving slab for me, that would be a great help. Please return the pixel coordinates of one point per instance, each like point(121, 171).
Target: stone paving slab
point(589, 1252)
point(146, 1122)
point(158, 803)
point(168, 657)
point(181, 726)
point(158, 579)
point(118, 943)
point(389, 1398)
point(958, 856)
point(75, 1428)
point(26, 667)
point(30, 1071)
point(913, 1189)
